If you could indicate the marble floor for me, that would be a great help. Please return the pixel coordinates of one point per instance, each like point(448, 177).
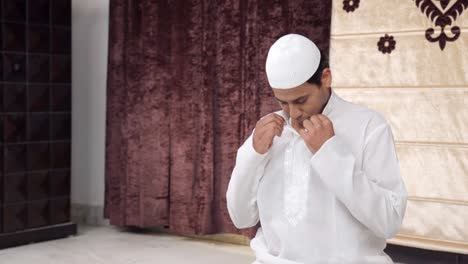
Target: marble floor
point(108, 245)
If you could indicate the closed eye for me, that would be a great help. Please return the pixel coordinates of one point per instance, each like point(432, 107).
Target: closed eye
point(301, 100)
point(298, 101)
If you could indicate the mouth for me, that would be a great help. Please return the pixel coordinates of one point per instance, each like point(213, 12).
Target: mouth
point(299, 123)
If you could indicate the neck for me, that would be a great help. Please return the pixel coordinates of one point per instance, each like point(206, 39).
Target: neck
point(326, 101)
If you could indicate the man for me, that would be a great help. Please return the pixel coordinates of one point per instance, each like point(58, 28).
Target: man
point(322, 175)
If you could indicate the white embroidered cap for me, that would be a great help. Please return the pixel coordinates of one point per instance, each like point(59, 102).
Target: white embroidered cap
point(291, 61)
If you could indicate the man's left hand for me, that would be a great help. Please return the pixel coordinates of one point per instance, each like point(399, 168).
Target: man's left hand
point(317, 130)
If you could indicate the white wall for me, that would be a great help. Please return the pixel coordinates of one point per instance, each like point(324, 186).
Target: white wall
point(90, 22)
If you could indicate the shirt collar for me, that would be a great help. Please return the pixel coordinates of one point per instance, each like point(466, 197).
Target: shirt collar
point(330, 104)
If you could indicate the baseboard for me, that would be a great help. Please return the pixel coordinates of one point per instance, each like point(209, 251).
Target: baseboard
point(410, 255)
point(35, 235)
point(88, 214)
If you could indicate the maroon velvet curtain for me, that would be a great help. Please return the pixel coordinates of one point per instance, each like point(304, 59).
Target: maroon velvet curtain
point(186, 85)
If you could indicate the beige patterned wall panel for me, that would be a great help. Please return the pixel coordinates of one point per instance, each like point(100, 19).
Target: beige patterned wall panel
point(357, 62)
point(421, 87)
point(434, 220)
point(435, 172)
point(418, 114)
point(384, 16)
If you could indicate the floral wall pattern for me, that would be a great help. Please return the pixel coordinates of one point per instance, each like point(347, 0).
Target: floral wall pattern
point(443, 15)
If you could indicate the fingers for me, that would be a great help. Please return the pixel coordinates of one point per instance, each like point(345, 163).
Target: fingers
point(278, 131)
point(272, 124)
point(315, 121)
point(271, 127)
point(317, 130)
point(308, 125)
point(323, 119)
point(303, 133)
point(280, 118)
point(277, 121)
point(272, 118)
point(265, 131)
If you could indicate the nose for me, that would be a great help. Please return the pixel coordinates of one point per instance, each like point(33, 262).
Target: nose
point(294, 112)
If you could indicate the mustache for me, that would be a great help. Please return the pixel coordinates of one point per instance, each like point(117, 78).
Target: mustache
point(300, 121)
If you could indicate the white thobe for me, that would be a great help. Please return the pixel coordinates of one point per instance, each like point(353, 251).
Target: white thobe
point(338, 205)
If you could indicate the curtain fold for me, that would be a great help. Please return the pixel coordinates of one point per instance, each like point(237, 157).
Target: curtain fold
point(186, 85)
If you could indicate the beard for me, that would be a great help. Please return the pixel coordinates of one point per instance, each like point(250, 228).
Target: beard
point(302, 119)
point(299, 123)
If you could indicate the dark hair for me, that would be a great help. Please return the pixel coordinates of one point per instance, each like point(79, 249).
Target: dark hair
point(317, 77)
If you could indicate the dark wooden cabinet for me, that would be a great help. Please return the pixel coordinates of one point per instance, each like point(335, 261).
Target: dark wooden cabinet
point(35, 121)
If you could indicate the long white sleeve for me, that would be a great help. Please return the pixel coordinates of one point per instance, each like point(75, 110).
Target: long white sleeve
point(374, 194)
point(241, 194)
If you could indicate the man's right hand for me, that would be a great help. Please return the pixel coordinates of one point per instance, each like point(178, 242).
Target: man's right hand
point(265, 131)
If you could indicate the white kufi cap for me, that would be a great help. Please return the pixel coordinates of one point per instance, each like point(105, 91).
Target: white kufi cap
point(291, 61)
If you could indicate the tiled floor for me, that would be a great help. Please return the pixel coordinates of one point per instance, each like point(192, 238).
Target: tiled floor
point(108, 245)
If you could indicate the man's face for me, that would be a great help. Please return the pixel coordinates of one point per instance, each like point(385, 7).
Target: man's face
point(303, 101)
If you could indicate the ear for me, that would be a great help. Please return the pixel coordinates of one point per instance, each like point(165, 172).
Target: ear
point(326, 78)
